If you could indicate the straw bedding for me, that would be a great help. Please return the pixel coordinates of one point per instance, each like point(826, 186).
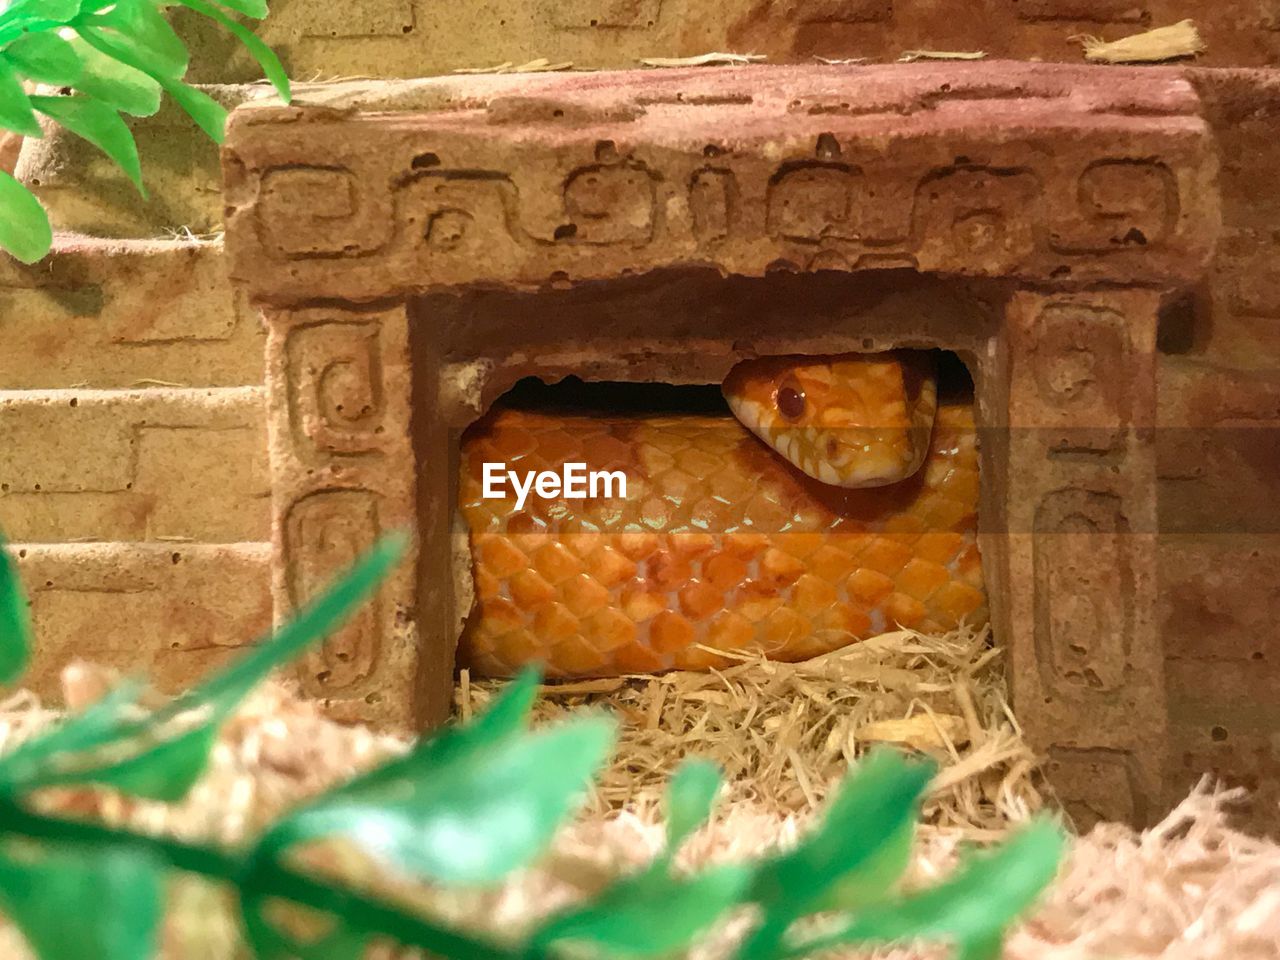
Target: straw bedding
point(785, 732)
point(1193, 887)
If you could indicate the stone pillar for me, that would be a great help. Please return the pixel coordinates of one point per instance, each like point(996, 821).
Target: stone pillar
point(343, 472)
point(1078, 563)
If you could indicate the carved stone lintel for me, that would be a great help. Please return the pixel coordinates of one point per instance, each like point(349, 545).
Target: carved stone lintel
point(857, 169)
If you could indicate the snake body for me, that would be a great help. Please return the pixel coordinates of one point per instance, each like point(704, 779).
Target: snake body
point(839, 500)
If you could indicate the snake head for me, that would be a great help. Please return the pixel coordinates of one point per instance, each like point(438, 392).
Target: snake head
point(854, 420)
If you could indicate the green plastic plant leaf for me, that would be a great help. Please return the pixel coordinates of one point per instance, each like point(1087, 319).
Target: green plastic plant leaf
point(116, 84)
point(96, 724)
point(160, 756)
point(22, 10)
point(209, 115)
point(467, 806)
point(15, 108)
point(101, 126)
point(45, 57)
point(991, 948)
point(506, 717)
point(24, 226)
point(337, 941)
point(470, 820)
point(988, 891)
point(83, 903)
point(875, 880)
point(15, 621)
point(648, 915)
point(690, 797)
point(868, 814)
point(265, 56)
point(135, 32)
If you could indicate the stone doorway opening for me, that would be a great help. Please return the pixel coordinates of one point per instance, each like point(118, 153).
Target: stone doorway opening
point(645, 378)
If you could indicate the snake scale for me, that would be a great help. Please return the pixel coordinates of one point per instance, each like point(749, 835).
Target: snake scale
point(837, 501)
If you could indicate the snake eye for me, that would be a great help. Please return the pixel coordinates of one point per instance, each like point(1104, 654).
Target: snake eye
point(790, 401)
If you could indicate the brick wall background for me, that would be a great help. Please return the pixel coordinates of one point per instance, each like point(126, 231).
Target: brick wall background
point(133, 477)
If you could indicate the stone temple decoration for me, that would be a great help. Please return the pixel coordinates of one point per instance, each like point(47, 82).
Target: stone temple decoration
point(1063, 202)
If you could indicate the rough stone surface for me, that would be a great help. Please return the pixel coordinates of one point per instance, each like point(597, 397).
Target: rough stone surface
point(1037, 173)
point(160, 464)
point(1051, 204)
point(178, 609)
point(401, 38)
point(109, 314)
point(133, 477)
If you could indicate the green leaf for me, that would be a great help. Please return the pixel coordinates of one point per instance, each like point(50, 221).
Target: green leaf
point(59, 10)
point(15, 108)
point(208, 113)
point(876, 879)
point(270, 63)
point(991, 948)
point(162, 755)
point(649, 914)
point(116, 84)
point(101, 126)
point(250, 8)
point(136, 33)
point(467, 806)
point(690, 797)
point(96, 724)
point(45, 57)
point(83, 903)
point(335, 941)
point(987, 892)
point(155, 764)
point(868, 814)
point(24, 226)
point(15, 621)
point(508, 715)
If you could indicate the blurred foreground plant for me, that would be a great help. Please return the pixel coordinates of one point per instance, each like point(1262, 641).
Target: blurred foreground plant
point(119, 57)
point(464, 808)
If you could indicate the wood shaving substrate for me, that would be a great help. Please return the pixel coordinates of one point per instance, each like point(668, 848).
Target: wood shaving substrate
point(1193, 888)
point(785, 733)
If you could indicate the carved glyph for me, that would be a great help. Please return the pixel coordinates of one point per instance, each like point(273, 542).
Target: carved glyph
point(1083, 571)
point(335, 387)
point(1079, 356)
point(607, 203)
point(324, 533)
point(1120, 204)
point(987, 216)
